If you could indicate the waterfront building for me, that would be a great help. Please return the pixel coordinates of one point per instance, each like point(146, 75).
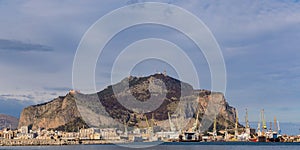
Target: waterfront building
point(90, 133)
point(24, 130)
point(7, 134)
point(109, 134)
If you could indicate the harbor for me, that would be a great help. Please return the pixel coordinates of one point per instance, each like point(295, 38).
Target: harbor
point(130, 135)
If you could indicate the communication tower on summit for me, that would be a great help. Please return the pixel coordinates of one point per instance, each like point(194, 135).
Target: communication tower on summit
point(165, 73)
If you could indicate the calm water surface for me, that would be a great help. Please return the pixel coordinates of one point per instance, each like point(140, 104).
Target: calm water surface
point(173, 146)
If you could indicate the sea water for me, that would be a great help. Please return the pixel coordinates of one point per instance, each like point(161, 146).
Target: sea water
point(174, 146)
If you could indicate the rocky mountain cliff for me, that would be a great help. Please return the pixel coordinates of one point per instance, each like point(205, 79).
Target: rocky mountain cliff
point(7, 121)
point(60, 113)
point(134, 101)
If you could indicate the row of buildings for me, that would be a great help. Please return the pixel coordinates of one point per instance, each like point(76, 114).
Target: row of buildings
point(148, 134)
point(84, 133)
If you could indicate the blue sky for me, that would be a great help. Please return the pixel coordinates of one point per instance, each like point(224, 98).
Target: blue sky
point(259, 40)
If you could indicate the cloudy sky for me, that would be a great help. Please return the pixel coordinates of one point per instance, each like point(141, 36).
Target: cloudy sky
point(259, 41)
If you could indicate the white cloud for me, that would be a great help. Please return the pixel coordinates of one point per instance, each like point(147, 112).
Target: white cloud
point(33, 96)
point(238, 20)
point(257, 38)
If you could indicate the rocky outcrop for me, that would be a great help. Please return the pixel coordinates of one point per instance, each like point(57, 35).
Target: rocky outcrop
point(133, 101)
point(51, 115)
point(180, 100)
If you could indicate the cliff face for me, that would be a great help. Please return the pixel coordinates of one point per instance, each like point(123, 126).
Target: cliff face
point(58, 113)
point(179, 99)
point(106, 108)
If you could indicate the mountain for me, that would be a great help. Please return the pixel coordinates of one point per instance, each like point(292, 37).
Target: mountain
point(7, 121)
point(135, 101)
point(60, 113)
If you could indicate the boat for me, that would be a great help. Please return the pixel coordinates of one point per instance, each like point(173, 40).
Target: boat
point(194, 134)
point(190, 137)
point(262, 138)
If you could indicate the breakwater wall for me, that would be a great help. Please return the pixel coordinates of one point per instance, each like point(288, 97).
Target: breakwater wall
point(35, 142)
point(53, 142)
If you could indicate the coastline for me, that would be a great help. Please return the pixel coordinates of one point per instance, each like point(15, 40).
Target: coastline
point(41, 142)
point(53, 142)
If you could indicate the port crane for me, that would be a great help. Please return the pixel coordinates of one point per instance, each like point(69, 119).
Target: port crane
point(172, 126)
point(150, 127)
point(247, 128)
point(236, 133)
point(263, 119)
point(195, 125)
point(215, 128)
point(125, 128)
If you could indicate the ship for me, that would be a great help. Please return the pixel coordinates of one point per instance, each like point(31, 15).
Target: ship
point(270, 135)
point(194, 135)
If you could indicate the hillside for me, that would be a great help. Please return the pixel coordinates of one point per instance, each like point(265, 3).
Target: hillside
point(60, 113)
point(108, 108)
point(7, 121)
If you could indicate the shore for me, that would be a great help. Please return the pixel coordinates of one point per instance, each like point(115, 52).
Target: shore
point(38, 142)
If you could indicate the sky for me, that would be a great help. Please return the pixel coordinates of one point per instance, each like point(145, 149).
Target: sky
point(258, 39)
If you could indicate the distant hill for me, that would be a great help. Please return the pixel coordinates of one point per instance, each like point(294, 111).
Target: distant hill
point(7, 121)
point(104, 109)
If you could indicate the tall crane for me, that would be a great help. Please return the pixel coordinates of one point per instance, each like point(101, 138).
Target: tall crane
point(278, 127)
point(195, 125)
point(152, 124)
point(246, 119)
point(263, 119)
point(215, 128)
point(258, 126)
point(125, 128)
point(226, 136)
point(148, 125)
point(236, 124)
point(150, 128)
point(247, 124)
point(180, 120)
point(152, 121)
point(275, 125)
point(172, 126)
